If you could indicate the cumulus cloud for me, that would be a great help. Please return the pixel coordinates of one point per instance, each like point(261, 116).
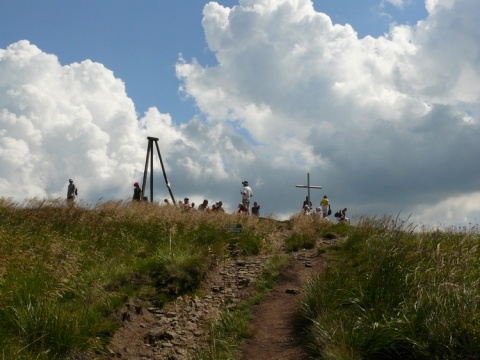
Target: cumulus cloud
point(76, 121)
point(381, 121)
point(386, 125)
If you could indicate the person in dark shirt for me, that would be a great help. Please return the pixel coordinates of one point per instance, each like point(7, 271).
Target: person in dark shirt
point(137, 192)
point(256, 209)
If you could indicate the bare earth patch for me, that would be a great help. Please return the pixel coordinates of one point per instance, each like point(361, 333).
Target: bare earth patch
point(273, 327)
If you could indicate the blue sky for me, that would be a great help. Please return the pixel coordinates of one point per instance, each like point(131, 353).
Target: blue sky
point(141, 41)
point(382, 112)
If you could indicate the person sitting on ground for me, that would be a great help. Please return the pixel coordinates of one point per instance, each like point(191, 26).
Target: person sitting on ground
point(306, 210)
point(343, 216)
point(218, 206)
point(203, 206)
point(318, 213)
point(256, 209)
point(186, 204)
point(242, 209)
point(307, 202)
point(166, 202)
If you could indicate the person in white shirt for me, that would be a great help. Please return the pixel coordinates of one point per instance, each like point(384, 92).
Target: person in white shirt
point(247, 193)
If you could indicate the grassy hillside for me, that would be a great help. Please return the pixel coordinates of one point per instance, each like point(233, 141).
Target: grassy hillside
point(63, 271)
point(388, 292)
point(391, 292)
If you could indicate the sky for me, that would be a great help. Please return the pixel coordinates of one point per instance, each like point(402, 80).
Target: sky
point(378, 101)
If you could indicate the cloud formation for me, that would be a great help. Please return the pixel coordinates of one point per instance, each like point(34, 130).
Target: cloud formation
point(386, 125)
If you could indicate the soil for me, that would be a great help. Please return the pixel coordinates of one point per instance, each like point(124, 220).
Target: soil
point(275, 333)
point(273, 327)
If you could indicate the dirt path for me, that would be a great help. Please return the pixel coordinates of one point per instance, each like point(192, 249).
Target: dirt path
point(274, 337)
point(178, 329)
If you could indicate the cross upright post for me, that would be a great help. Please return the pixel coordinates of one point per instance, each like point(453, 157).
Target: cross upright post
point(308, 187)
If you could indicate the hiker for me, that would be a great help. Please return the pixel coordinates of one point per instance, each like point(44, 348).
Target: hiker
point(204, 206)
point(306, 202)
point(186, 204)
point(72, 192)
point(242, 209)
point(317, 213)
point(325, 204)
point(306, 210)
point(342, 216)
point(247, 193)
point(218, 207)
point(137, 192)
point(256, 209)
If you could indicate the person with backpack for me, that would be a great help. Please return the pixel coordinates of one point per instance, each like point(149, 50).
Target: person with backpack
point(342, 216)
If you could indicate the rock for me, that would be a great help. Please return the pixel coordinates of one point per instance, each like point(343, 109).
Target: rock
point(292, 291)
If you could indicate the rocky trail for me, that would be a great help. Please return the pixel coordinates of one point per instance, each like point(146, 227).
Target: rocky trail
point(178, 329)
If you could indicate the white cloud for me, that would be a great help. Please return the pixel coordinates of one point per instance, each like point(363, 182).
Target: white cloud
point(384, 116)
point(397, 3)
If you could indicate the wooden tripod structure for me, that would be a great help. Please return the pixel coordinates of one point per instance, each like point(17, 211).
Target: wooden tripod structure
point(152, 140)
point(308, 186)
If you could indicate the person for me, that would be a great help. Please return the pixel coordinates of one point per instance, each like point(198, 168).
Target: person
point(247, 193)
point(72, 192)
point(256, 209)
point(242, 209)
point(166, 202)
point(306, 202)
point(218, 206)
point(203, 206)
point(317, 213)
point(186, 204)
point(137, 192)
point(325, 204)
point(343, 216)
point(306, 210)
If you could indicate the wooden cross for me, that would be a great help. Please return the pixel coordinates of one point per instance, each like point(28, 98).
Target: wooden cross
point(151, 140)
point(308, 186)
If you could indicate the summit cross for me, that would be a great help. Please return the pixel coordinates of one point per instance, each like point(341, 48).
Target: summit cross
point(308, 187)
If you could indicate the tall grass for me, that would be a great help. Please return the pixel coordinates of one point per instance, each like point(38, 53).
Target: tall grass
point(395, 293)
point(389, 291)
point(63, 270)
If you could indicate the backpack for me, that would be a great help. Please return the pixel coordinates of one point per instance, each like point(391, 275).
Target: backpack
point(338, 214)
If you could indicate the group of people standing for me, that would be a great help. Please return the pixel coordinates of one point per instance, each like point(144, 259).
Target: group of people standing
point(324, 210)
